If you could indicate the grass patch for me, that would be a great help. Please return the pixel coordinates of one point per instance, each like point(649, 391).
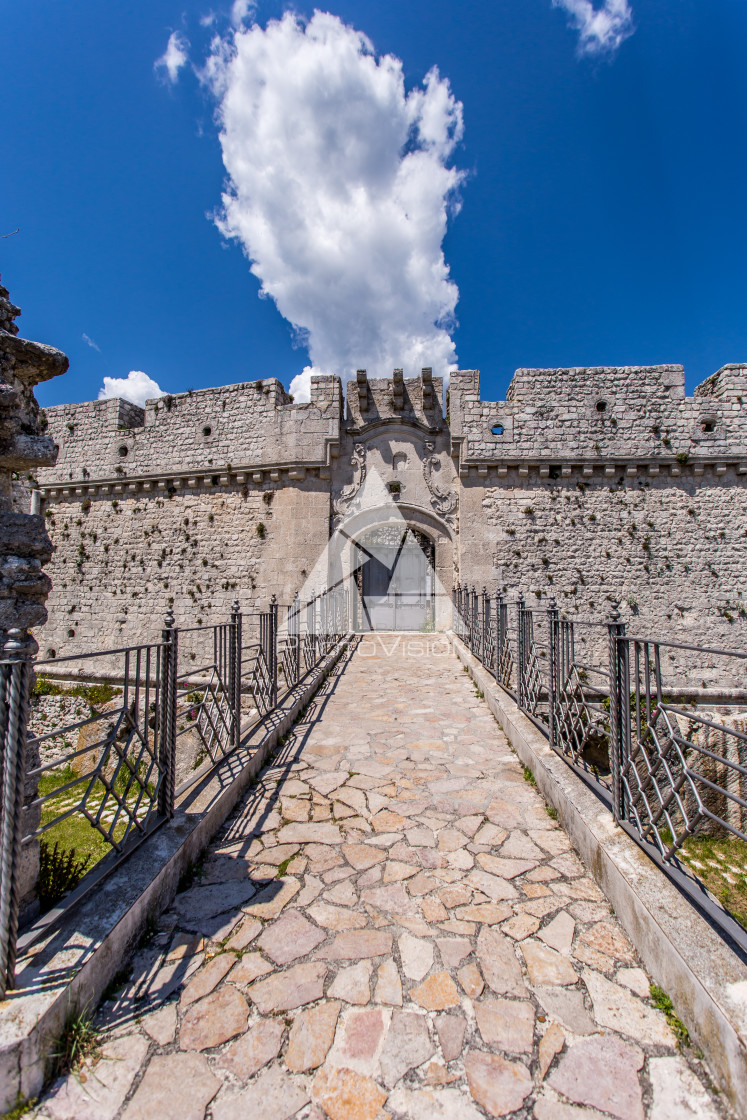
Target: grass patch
point(660, 999)
point(20, 1109)
point(60, 870)
point(283, 867)
point(551, 812)
point(529, 777)
point(74, 833)
point(80, 1040)
point(721, 864)
point(93, 694)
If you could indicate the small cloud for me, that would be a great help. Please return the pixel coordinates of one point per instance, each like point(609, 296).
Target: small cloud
point(241, 11)
point(300, 386)
point(207, 20)
point(601, 30)
point(136, 387)
point(89, 342)
point(174, 57)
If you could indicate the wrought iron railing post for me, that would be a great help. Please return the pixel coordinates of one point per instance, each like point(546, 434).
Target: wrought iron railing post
point(484, 624)
point(498, 649)
point(15, 682)
point(294, 635)
point(619, 701)
point(520, 649)
point(167, 715)
point(553, 616)
point(273, 651)
point(234, 661)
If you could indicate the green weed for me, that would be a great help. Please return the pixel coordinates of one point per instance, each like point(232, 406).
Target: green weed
point(660, 999)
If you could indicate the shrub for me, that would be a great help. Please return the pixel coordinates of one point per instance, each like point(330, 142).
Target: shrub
point(261, 531)
point(60, 870)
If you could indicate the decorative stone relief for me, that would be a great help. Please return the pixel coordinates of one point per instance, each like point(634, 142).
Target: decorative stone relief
point(344, 503)
point(443, 501)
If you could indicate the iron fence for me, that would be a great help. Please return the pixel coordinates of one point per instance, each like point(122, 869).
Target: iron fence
point(115, 766)
point(622, 711)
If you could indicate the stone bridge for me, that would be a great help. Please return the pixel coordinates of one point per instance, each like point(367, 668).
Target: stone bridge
point(391, 925)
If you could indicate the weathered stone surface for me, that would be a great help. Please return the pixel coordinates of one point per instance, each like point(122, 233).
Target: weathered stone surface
point(602, 1072)
point(550, 1045)
point(347, 1095)
point(619, 1010)
point(388, 985)
point(470, 978)
point(290, 937)
point(520, 926)
point(416, 955)
point(608, 938)
point(392, 898)
point(245, 1055)
point(359, 1039)
point(507, 1024)
point(453, 950)
point(214, 1020)
point(505, 868)
point(250, 968)
point(199, 903)
point(203, 982)
point(311, 1036)
point(496, 1084)
point(244, 935)
point(301, 984)
point(450, 1029)
point(432, 1104)
point(545, 966)
point(97, 1093)
point(407, 1046)
point(499, 963)
point(362, 856)
point(319, 833)
point(273, 898)
point(558, 933)
point(275, 1095)
point(566, 1005)
point(490, 885)
point(175, 1087)
point(161, 1024)
point(354, 945)
point(677, 1093)
point(436, 993)
point(353, 984)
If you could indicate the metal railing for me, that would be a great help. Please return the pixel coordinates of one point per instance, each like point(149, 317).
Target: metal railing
point(178, 706)
point(623, 712)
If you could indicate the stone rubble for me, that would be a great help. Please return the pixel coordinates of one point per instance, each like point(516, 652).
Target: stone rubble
point(439, 953)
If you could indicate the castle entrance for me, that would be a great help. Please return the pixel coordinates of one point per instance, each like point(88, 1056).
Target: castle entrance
point(395, 579)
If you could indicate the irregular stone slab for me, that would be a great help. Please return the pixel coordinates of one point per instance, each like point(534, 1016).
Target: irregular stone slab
point(545, 966)
point(607, 937)
point(344, 894)
point(214, 1020)
point(359, 1040)
point(416, 955)
point(273, 898)
point(499, 964)
point(198, 903)
point(519, 846)
point(602, 1072)
point(458, 895)
point(620, 1010)
point(498, 1085)
point(250, 968)
point(386, 821)
point(505, 814)
point(550, 1045)
point(395, 871)
point(245, 1055)
point(275, 1095)
point(311, 1036)
point(100, 1095)
point(175, 1087)
point(433, 910)
point(335, 917)
point(347, 1095)
point(558, 934)
point(362, 856)
point(353, 945)
point(437, 993)
point(450, 1029)
point(520, 926)
point(549, 1106)
point(453, 950)
point(277, 854)
point(507, 1024)
point(295, 809)
point(392, 898)
point(161, 1024)
point(635, 979)
point(407, 1046)
point(244, 935)
point(353, 984)
point(566, 1006)
point(470, 978)
point(450, 840)
point(491, 885)
point(489, 912)
point(290, 937)
point(432, 1104)
point(677, 1093)
point(203, 982)
point(505, 868)
point(388, 985)
point(301, 984)
point(315, 833)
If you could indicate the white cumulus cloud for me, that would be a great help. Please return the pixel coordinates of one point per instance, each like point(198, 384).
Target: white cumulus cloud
point(136, 387)
point(340, 185)
point(601, 30)
point(174, 57)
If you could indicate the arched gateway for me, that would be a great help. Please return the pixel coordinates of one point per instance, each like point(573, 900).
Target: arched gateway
point(394, 572)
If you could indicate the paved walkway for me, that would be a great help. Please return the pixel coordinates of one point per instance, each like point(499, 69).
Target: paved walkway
point(392, 925)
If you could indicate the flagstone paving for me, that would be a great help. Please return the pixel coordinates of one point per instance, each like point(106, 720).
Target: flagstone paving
point(391, 925)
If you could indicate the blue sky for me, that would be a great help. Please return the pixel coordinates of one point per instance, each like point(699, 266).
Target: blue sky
point(598, 215)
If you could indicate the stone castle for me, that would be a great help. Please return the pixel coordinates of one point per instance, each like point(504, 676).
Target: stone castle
point(594, 486)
